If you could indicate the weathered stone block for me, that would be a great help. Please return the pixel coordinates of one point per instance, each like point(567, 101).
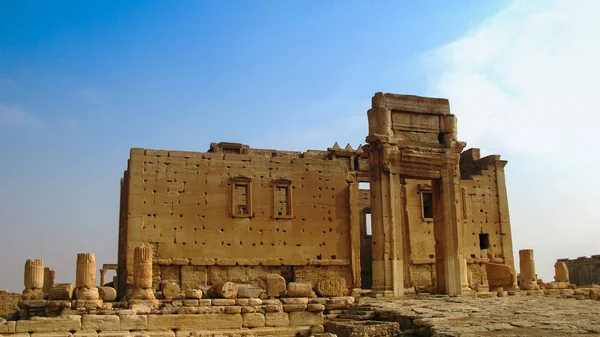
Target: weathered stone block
point(51, 334)
point(49, 324)
point(171, 290)
point(277, 319)
point(273, 308)
point(223, 301)
point(233, 309)
point(7, 326)
point(193, 294)
point(133, 322)
point(276, 285)
point(113, 334)
point(107, 294)
point(332, 287)
point(315, 307)
point(62, 291)
point(306, 318)
point(294, 307)
point(168, 333)
point(299, 289)
point(295, 300)
point(193, 277)
point(228, 290)
point(85, 334)
point(100, 322)
point(249, 291)
point(194, 322)
point(253, 320)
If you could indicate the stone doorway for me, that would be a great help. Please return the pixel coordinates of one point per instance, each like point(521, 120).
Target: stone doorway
point(366, 252)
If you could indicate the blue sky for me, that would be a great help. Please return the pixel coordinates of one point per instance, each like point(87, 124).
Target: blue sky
point(83, 82)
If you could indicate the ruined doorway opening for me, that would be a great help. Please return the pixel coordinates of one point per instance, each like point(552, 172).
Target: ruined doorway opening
point(366, 250)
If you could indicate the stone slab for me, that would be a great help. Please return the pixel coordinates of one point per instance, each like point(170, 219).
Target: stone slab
point(194, 322)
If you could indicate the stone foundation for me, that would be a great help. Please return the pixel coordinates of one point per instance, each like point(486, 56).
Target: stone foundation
point(9, 304)
point(286, 316)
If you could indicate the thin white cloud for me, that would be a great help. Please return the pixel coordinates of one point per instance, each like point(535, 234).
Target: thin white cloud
point(16, 115)
point(527, 79)
point(525, 84)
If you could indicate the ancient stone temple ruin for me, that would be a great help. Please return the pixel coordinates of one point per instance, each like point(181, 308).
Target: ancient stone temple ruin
point(411, 209)
point(259, 242)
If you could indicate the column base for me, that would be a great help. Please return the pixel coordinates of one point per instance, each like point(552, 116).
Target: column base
point(88, 304)
point(381, 293)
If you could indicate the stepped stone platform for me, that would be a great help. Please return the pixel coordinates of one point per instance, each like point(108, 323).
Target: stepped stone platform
point(433, 315)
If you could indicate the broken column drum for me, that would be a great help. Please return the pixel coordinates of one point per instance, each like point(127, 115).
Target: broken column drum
point(34, 280)
point(85, 278)
point(34, 274)
point(142, 273)
point(561, 272)
point(527, 267)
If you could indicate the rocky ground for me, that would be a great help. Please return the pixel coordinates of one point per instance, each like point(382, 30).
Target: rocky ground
point(496, 316)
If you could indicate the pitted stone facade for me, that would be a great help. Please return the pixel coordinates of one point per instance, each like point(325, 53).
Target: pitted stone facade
point(434, 216)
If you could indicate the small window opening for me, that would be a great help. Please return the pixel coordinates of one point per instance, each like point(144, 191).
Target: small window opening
point(282, 199)
point(427, 199)
point(484, 241)
point(364, 186)
point(241, 199)
point(368, 229)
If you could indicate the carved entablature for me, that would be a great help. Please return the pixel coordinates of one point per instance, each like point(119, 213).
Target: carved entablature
point(414, 120)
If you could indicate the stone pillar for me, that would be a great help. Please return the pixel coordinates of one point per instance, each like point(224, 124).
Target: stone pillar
point(34, 280)
point(85, 278)
point(465, 277)
point(48, 280)
point(142, 274)
point(561, 272)
point(448, 229)
point(102, 277)
point(527, 267)
point(386, 221)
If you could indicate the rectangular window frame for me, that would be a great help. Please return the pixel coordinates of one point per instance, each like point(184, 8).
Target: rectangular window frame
point(368, 225)
point(287, 184)
point(423, 189)
point(247, 183)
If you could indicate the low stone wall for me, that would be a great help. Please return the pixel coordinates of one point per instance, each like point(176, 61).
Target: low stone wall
point(9, 304)
point(287, 316)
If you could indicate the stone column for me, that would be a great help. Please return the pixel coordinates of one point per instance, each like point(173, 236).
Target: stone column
point(85, 278)
point(448, 229)
point(142, 274)
point(465, 277)
point(34, 280)
point(103, 277)
point(386, 221)
point(561, 272)
point(527, 266)
point(48, 280)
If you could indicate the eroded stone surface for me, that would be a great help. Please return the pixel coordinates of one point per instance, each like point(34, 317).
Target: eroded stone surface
point(497, 316)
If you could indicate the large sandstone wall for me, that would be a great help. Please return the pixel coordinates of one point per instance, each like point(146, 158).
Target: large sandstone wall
point(584, 270)
point(484, 214)
point(184, 205)
point(8, 304)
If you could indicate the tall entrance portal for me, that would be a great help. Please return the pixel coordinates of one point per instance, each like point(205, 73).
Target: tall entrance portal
point(413, 137)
